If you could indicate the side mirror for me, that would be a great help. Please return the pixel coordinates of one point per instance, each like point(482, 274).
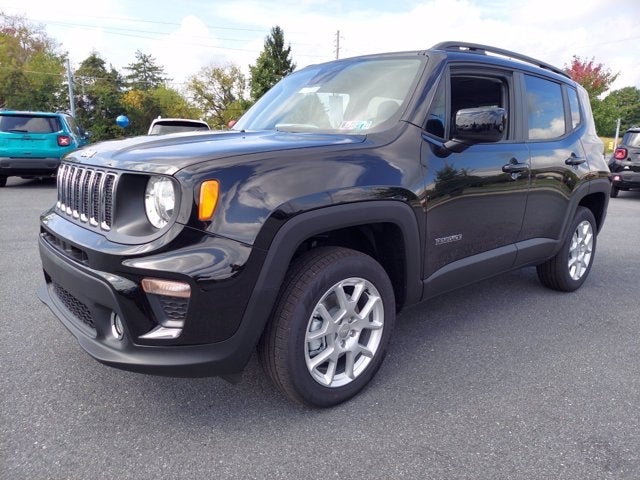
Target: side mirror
point(480, 125)
point(475, 125)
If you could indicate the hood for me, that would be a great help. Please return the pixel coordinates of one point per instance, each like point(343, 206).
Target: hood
point(166, 154)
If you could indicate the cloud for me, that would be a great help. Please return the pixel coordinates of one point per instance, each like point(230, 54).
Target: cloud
point(185, 36)
point(186, 50)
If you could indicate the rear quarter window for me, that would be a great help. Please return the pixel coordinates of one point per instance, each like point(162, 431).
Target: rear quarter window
point(631, 139)
point(574, 104)
point(545, 109)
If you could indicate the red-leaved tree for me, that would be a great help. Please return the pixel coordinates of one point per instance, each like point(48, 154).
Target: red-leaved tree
point(594, 77)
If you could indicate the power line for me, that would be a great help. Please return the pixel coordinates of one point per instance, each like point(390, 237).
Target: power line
point(122, 32)
point(116, 31)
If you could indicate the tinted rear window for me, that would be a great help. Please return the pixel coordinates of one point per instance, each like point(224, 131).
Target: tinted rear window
point(631, 139)
point(29, 124)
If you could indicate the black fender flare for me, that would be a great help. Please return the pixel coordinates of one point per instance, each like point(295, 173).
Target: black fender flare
point(304, 225)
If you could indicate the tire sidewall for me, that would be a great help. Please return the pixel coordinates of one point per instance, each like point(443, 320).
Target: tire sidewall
point(309, 389)
point(614, 191)
point(582, 214)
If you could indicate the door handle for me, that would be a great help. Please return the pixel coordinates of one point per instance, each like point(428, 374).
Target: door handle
point(514, 167)
point(574, 160)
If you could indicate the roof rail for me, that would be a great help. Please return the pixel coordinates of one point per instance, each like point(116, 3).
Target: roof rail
point(483, 49)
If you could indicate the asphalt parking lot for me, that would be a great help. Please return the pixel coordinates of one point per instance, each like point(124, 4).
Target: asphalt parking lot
point(501, 380)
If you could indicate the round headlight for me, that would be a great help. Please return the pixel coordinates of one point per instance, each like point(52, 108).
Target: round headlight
point(159, 201)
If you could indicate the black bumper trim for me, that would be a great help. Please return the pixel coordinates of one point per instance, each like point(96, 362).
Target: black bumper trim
point(216, 359)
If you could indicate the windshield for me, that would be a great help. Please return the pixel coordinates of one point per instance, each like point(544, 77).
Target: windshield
point(353, 96)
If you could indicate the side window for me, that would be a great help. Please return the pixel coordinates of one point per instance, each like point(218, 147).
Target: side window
point(574, 105)
point(545, 109)
point(466, 90)
point(72, 125)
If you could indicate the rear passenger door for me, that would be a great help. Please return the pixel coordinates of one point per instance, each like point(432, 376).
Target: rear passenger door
point(554, 125)
point(476, 198)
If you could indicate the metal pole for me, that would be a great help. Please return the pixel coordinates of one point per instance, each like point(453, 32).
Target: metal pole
point(72, 103)
point(615, 142)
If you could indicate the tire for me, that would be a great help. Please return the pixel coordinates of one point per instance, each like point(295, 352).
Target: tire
point(614, 191)
point(568, 270)
point(3, 181)
point(316, 349)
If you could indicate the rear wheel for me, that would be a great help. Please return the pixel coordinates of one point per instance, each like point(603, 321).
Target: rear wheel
point(568, 270)
point(331, 327)
point(614, 191)
point(3, 181)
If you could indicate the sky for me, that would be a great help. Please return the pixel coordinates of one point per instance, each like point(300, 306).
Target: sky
point(186, 35)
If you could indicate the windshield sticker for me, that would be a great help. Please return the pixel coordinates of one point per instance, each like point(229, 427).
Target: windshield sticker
point(355, 125)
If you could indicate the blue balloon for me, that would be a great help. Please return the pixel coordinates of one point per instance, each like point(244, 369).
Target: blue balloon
point(122, 121)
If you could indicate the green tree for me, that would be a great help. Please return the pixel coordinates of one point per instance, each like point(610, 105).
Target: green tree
point(31, 67)
point(142, 106)
point(272, 64)
point(623, 104)
point(219, 90)
point(144, 73)
point(99, 92)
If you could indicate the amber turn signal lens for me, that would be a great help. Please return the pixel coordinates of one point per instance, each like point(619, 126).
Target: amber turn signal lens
point(208, 199)
point(169, 288)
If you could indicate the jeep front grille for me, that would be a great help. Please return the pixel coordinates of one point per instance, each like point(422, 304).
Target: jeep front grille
point(86, 194)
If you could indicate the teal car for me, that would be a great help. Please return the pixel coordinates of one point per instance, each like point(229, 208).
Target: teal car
point(32, 143)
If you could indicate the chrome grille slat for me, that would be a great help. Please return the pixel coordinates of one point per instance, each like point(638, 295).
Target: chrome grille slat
point(75, 192)
point(84, 193)
point(87, 194)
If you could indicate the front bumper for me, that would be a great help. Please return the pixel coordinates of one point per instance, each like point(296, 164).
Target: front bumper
point(24, 167)
point(86, 300)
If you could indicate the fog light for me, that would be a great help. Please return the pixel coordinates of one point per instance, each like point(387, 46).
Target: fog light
point(117, 329)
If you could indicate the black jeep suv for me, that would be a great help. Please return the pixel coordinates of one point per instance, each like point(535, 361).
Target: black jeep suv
point(352, 189)
point(625, 163)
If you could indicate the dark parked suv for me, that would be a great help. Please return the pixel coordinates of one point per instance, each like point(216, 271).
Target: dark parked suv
point(351, 190)
point(625, 163)
point(32, 143)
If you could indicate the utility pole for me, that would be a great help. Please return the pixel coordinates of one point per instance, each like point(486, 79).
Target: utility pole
point(72, 103)
point(338, 44)
point(615, 145)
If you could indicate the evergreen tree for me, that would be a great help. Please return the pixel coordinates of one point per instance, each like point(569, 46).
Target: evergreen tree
point(272, 64)
point(144, 73)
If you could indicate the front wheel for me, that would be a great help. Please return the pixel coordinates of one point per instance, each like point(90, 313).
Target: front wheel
point(331, 327)
point(568, 270)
